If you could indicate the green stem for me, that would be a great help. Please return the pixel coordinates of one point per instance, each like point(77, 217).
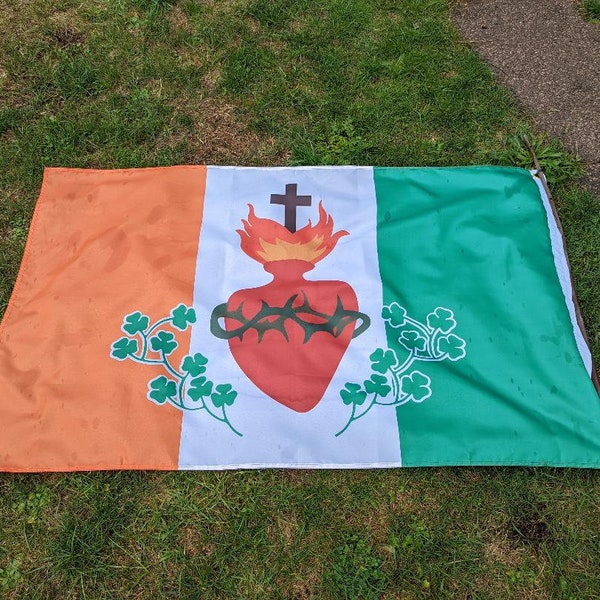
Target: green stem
point(404, 366)
point(373, 403)
point(349, 421)
point(223, 419)
point(167, 364)
point(144, 344)
point(226, 418)
point(181, 392)
point(395, 386)
point(157, 325)
point(424, 329)
point(145, 361)
point(430, 345)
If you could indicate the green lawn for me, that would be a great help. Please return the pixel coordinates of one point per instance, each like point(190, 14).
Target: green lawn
point(591, 10)
point(127, 83)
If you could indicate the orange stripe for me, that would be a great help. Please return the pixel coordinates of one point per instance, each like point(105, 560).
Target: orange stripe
point(102, 244)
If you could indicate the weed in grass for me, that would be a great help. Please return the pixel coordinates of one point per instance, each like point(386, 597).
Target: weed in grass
point(10, 576)
point(33, 505)
point(591, 9)
point(341, 145)
point(355, 571)
point(558, 164)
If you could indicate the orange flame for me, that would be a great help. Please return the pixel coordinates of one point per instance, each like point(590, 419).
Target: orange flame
point(265, 240)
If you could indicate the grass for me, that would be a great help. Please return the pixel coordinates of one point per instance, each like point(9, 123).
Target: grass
point(149, 82)
point(591, 10)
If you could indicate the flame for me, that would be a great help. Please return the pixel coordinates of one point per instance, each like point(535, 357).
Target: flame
point(265, 240)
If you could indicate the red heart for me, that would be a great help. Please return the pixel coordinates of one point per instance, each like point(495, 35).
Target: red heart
point(294, 371)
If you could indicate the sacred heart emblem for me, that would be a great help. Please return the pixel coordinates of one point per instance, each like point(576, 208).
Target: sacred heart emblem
point(289, 335)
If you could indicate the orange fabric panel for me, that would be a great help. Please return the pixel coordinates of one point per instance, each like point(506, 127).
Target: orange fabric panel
point(102, 244)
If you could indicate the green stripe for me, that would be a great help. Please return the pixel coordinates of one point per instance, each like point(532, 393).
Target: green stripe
point(475, 240)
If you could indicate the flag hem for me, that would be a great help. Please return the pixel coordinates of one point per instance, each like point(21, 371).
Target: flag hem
point(563, 270)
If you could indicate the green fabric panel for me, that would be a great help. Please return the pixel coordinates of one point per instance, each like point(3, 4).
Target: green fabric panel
point(475, 240)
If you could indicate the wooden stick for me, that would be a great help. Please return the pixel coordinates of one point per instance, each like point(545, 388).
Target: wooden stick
point(542, 177)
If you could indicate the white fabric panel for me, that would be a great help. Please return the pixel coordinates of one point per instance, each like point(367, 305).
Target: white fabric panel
point(273, 435)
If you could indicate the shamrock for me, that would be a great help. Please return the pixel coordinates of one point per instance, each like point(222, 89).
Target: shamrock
point(165, 341)
point(442, 319)
point(123, 348)
point(182, 315)
point(412, 340)
point(353, 394)
point(452, 346)
point(161, 389)
point(200, 387)
point(382, 361)
point(377, 385)
point(224, 394)
point(416, 385)
point(394, 314)
point(135, 323)
point(194, 365)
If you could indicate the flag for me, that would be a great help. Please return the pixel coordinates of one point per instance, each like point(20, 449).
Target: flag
point(220, 317)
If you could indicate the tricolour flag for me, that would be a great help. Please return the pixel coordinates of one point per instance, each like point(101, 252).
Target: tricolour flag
point(221, 317)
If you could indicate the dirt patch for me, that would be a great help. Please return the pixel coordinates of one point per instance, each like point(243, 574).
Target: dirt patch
point(218, 137)
point(530, 527)
point(67, 36)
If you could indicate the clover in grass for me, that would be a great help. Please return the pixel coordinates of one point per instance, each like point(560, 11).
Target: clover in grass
point(194, 365)
point(442, 319)
point(182, 316)
point(223, 394)
point(452, 347)
point(199, 388)
point(123, 348)
point(416, 385)
point(163, 341)
point(353, 394)
point(394, 314)
point(377, 385)
point(161, 389)
point(135, 322)
point(382, 360)
point(412, 340)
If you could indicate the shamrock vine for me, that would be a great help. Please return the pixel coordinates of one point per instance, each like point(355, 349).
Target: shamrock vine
point(392, 383)
point(186, 387)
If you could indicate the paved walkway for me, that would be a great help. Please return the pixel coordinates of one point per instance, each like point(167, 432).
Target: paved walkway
point(550, 57)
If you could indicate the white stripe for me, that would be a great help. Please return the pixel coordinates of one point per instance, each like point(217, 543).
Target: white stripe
point(562, 269)
point(274, 435)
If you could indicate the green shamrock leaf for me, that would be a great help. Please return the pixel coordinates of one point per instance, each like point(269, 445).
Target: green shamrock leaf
point(161, 389)
point(394, 314)
point(135, 323)
point(163, 341)
point(412, 340)
point(224, 394)
point(199, 388)
point(182, 316)
point(442, 319)
point(416, 385)
point(194, 365)
point(353, 394)
point(123, 348)
point(452, 346)
point(382, 361)
point(377, 385)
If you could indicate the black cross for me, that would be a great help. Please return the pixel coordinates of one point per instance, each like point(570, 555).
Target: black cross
point(291, 201)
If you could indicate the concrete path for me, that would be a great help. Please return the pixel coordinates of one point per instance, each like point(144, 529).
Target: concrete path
point(550, 57)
